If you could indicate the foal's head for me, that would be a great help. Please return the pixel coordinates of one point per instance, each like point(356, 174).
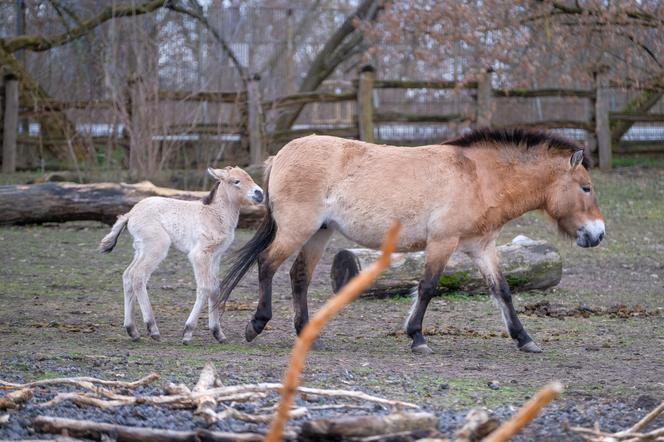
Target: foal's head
point(241, 188)
point(572, 203)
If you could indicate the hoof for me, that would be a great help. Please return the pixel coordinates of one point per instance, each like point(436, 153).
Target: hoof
point(156, 337)
point(249, 332)
point(186, 340)
point(218, 335)
point(133, 333)
point(317, 345)
point(422, 349)
point(531, 347)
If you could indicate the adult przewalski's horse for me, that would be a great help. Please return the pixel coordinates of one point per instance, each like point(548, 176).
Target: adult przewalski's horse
point(454, 196)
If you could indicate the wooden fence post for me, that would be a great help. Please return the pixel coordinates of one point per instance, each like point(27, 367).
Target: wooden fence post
point(10, 127)
point(484, 99)
point(365, 109)
point(256, 151)
point(602, 130)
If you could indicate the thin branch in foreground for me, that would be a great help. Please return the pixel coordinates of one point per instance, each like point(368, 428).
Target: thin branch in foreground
point(83, 379)
point(526, 414)
point(311, 331)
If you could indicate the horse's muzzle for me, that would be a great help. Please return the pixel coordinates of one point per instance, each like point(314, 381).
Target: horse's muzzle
point(590, 234)
point(257, 196)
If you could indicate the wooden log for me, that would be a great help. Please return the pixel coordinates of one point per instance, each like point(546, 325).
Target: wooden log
point(424, 84)
point(602, 127)
point(122, 433)
point(255, 124)
point(60, 202)
point(345, 428)
point(485, 102)
point(550, 92)
point(10, 126)
point(393, 116)
point(309, 97)
point(526, 264)
point(365, 108)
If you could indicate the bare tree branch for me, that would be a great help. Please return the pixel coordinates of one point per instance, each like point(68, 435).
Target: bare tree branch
point(41, 43)
point(197, 13)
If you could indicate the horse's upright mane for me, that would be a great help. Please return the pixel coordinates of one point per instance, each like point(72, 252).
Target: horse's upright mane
point(516, 137)
point(207, 199)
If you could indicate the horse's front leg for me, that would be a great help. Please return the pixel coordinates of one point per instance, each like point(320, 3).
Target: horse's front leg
point(438, 252)
point(486, 259)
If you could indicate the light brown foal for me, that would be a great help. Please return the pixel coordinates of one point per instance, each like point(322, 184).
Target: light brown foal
point(454, 196)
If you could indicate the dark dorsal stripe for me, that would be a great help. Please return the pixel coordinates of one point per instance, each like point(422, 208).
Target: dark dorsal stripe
point(207, 199)
point(517, 138)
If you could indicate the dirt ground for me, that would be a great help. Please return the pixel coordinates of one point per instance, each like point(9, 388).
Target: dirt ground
point(61, 314)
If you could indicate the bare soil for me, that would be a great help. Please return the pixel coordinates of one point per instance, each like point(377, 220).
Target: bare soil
point(602, 328)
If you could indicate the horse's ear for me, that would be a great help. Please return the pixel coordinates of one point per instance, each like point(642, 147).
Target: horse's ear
point(577, 158)
point(217, 174)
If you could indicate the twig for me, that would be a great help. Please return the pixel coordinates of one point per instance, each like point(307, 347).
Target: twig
point(95, 430)
point(78, 380)
point(526, 413)
point(645, 421)
point(259, 418)
point(206, 404)
point(4, 419)
point(13, 399)
point(477, 424)
point(310, 332)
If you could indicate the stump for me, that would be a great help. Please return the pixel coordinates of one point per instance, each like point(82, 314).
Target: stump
point(60, 202)
point(526, 264)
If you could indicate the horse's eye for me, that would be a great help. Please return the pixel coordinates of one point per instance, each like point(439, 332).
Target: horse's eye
point(586, 189)
point(237, 182)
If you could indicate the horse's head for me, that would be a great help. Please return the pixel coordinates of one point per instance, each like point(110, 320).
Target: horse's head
point(572, 203)
point(239, 184)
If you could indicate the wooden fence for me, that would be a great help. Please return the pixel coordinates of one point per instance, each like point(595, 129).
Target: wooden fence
point(258, 130)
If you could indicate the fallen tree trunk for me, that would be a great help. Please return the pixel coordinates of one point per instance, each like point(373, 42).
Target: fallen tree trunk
point(122, 433)
point(344, 428)
point(526, 264)
point(60, 202)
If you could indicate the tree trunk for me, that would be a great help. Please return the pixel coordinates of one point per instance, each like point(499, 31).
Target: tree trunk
point(60, 202)
point(54, 125)
point(526, 264)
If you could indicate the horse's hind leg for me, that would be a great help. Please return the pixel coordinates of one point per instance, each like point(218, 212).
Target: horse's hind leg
point(150, 254)
point(486, 260)
point(213, 303)
point(301, 273)
point(283, 246)
point(129, 299)
point(438, 252)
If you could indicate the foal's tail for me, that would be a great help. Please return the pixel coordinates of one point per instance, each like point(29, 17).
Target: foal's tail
point(108, 243)
point(244, 258)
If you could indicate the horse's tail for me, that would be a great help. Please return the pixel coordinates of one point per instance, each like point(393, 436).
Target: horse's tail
point(248, 254)
point(108, 243)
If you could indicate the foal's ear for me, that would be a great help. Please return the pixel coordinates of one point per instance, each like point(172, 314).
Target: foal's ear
point(577, 158)
point(217, 174)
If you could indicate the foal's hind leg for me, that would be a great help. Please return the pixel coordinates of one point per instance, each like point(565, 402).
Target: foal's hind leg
point(129, 300)
point(486, 260)
point(213, 302)
point(438, 252)
point(300, 275)
point(149, 255)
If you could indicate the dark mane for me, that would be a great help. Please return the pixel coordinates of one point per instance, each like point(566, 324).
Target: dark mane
point(207, 199)
point(518, 137)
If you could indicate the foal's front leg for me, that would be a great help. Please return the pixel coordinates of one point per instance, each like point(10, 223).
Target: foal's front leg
point(201, 261)
point(487, 260)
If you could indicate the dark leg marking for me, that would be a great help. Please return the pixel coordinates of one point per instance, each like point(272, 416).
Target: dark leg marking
point(264, 310)
point(300, 285)
point(502, 294)
point(133, 333)
point(152, 330)
point(425, 291)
